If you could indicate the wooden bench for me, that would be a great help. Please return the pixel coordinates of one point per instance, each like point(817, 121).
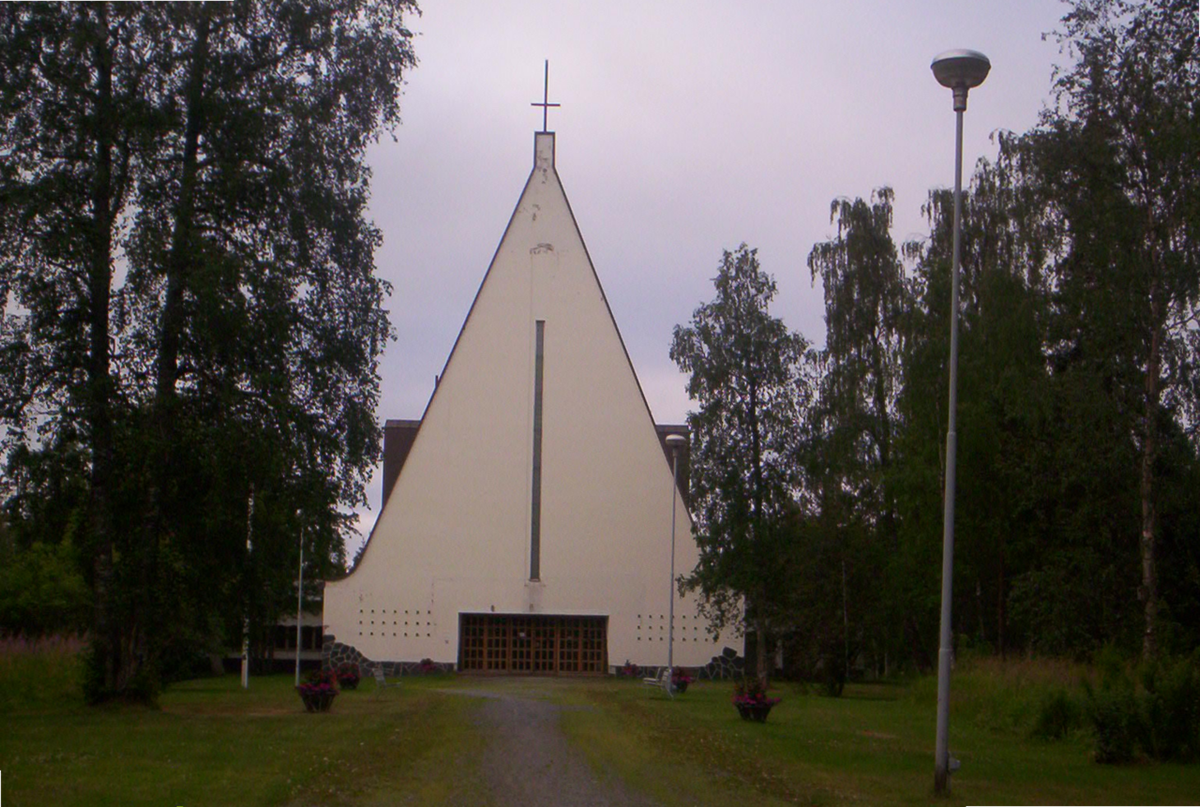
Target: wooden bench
point(380, 680)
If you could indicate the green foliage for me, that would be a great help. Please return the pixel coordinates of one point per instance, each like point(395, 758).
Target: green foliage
point(830, 591)
point(1003, 467)
point(1076, 392)
point(746, 377)
point(1058, 715)
point(1158, 712)
point(1080, 294)
point(834, 678)
point(1113, 710)
point(1171, 708)
point(1115, 721)
point(217, 154)
point(1115, 162)
point(852, 432)
point(42, 591)
point(189, 652)
point(142, 686)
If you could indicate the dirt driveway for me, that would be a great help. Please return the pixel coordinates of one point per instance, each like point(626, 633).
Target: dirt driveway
point(527, 760)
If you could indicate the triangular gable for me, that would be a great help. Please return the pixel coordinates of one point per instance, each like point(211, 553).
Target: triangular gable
point(536, 481)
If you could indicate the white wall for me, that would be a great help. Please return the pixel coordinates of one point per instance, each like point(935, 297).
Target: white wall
point(454, 536)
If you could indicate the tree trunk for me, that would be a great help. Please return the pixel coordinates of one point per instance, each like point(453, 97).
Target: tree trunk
point(920, 653)
point(756, 527)
point(181, 237)
point(885, 450)
point(178, 267)
point(760, 653)
point(112, 665)
point(1149, 589)
point(980, 610)
point(755, 453)
point(1001, 606)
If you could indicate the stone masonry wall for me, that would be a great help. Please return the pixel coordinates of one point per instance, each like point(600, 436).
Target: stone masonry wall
point(334, 653)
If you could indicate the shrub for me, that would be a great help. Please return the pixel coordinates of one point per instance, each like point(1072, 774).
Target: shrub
point(1058, 715)
point(1113, 709)
point(1171, 708)
point(833, 674)
point(1161, 718)
point(181, 660)
point(1115, 719)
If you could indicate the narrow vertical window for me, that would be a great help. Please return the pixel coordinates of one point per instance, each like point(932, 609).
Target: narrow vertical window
point(535, 516)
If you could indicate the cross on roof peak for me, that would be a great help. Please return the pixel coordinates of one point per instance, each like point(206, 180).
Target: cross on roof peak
point(545, 102)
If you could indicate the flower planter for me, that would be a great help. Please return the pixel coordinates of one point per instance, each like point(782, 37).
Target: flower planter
point(750, 698)
point(347, 675)
point(318, 701)
point(755, 711)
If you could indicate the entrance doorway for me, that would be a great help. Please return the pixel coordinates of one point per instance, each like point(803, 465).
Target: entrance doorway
point(533, 644)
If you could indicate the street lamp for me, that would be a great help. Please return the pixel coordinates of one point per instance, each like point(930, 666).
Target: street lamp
point(246, 617)
point(674, 442)
point(960, 70)
point(299, 602)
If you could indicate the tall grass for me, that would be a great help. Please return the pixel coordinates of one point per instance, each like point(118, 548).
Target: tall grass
point(1004, 695)
point(35, 673)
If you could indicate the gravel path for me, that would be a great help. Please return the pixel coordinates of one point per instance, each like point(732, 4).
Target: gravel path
point(528, 762)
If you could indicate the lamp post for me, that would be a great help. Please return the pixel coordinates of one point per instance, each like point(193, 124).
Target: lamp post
point(299, 602)
point(960, 70)
point(246, 617)
point(674, 442)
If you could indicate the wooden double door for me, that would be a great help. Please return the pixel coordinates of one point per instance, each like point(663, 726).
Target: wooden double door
point(533, 644)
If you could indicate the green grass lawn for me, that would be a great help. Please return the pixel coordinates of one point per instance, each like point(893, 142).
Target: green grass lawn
point(210, 742)
point(213, 743)
point(874, 745)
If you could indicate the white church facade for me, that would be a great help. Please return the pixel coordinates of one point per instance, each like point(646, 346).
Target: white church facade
point(527, 528)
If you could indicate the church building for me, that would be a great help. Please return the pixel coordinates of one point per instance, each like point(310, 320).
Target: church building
point(526, 525)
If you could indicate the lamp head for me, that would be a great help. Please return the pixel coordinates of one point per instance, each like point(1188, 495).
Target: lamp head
point(960, 70)
point(676, 441)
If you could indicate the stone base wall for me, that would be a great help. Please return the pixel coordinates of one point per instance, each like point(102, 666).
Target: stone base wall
point(727, 666)
point(334, 653)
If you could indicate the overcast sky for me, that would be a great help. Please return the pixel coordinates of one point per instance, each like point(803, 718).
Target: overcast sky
point(686, 128)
